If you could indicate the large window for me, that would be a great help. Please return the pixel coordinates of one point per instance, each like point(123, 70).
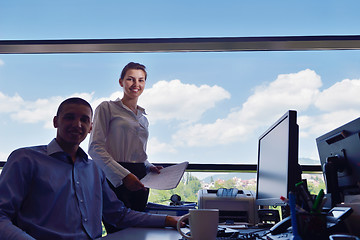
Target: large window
point(203, 107)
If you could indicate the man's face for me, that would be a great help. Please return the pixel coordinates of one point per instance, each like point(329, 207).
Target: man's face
point(73, 124)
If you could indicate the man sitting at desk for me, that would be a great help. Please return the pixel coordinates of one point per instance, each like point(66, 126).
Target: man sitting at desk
point(55, 192)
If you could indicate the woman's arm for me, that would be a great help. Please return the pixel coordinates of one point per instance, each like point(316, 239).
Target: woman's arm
point(97, 148)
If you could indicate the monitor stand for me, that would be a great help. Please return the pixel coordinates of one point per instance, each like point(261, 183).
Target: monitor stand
point(331, 168)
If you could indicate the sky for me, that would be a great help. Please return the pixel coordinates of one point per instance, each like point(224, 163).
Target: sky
point(202, 107)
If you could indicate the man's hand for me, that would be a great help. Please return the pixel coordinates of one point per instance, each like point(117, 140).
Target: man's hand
point(171, 221)
point(132, 183)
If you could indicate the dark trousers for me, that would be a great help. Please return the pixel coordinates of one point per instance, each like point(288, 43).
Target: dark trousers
point(136, 200)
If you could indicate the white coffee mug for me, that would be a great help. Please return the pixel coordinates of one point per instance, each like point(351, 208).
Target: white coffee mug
point(203, 224)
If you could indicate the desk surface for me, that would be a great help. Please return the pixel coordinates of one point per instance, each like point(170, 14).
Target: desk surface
point(161, 233)
point(144, 234)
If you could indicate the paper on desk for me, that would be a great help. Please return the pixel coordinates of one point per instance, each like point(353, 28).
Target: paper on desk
point(168, 178)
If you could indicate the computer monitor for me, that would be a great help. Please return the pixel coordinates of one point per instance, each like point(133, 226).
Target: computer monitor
point(339, 152)
point(278, 170)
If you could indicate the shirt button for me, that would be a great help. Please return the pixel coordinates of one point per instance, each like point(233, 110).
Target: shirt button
point(78, 182)
point(85, 219)
point(81, 201)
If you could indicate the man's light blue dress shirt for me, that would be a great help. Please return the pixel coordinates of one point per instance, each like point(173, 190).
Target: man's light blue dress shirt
point(45, 195)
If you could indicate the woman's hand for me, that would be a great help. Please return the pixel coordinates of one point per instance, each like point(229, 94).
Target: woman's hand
point(132, 183)
point(156, 169)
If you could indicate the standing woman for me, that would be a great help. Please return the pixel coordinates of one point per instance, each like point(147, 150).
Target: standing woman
point(119, 137)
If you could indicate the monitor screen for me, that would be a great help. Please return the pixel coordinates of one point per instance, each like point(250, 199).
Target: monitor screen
point(339, 152)
point(278, 170)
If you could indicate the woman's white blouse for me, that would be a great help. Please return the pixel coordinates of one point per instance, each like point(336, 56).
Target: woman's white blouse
point(118, 135)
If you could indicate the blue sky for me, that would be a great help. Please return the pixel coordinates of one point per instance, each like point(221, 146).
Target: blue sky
point(202, 107)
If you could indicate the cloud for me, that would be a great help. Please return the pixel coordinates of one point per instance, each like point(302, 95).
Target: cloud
point(166, 100)
point(336, 106)
point(95, 102)
point(3, 156)
point(328, 109)
point(2, 63)
point(174, 100)
point(40, 110)
point(186, 103)
point(322, 123)
point(342, 95)
point(155, 146)
point(289, 91)
point(10, 104)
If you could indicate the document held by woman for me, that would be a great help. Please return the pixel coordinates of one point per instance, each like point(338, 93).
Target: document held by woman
point(168, 178)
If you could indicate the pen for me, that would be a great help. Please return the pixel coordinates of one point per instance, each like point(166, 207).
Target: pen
point(297, 207)
point(317, 203)
point(292, 204)
point(323, 202)
point(305, 195)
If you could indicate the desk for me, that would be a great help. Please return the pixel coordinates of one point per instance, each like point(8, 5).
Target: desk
point(144, 234)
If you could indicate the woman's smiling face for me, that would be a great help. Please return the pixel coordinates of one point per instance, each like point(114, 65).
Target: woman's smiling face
point(133, 83)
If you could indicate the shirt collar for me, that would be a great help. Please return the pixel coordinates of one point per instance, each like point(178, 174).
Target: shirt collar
point(53, 147)
point(141, 109)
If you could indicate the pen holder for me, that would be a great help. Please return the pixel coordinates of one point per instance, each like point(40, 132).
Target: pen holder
point(312, 226)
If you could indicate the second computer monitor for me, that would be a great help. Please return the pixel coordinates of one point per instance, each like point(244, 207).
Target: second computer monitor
point(278, 170)
point(339, 152)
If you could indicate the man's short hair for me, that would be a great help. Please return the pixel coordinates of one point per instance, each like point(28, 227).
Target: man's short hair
point(73, 100)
